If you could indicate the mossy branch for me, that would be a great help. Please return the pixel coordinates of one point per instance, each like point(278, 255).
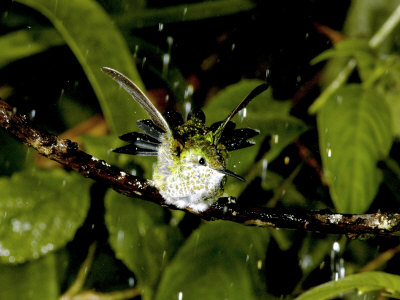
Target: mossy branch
point(67, 153)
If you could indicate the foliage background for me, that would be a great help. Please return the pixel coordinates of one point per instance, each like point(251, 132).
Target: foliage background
point(343, 156)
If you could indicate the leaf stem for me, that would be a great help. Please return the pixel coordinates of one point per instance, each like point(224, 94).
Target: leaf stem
point(376, 40)
point(77, 285)
point(385, 29)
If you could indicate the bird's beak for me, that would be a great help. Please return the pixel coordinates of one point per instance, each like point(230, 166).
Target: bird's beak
point(230, 173)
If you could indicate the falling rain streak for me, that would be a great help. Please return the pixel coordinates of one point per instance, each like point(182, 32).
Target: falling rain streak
point(337, 262)
point(242, 114)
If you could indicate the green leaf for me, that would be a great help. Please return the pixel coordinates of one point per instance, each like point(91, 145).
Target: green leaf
point(220, 260)
point(364, 18)
point(140, 238)
point(98, 44)
point(24, 43)
point(313, 251)
point(41, 211)
point(13, 154)
point(363, 282)
point(30, 281)
point(354, 128)
point(264, 113)
point(357, 48)
point(390, 84)
point(289, 195)
point(184, 12)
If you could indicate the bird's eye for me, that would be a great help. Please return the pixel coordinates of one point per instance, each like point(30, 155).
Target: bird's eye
point(202, 161)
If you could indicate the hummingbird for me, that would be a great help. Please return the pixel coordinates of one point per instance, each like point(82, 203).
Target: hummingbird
point(190, 172)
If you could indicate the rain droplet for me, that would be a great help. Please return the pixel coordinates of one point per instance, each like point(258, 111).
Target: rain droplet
point(242, 114)
point(259, 264)
point(275, 138)
point(306, 261)
point(264, 168)
point(135, 51)
point(188, 91)
point(144, 61)
point(32, 114)
point(170, 41)
point(180, 296)
point(329, 152)
point(160, 26)
point(337, 263)
point(286, 160)
point(131, 281)
point(187, 108)
point(121, 236)
point(166, 59)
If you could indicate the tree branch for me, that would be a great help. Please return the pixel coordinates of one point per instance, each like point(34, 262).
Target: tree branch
point(67, 153)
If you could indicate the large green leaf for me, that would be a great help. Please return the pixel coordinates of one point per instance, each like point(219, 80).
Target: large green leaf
point(355, 132)
point(184, 12)
point(13, 154)
point(363, 282)
point(98, 44)
point(140, 238)
point(23, 43)
point(36, 280)
point(40, 212)
point(264, 113)
point(220, 260)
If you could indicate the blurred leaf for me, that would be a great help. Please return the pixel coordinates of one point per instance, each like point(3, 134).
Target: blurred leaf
point(365, 17)
point(13, 154)
point(161, 65)
point(313, 251)
point(264, 113)
point(220, 260)
point(101, 146)
point(98, 44)
point(389, 83)
point(27, 42)
point(363, 282)
point(289, 196)
point(30, 281)
point(140, 238)
point(354, 130)
point(185, 12)
point(357, 48)
point(73, 111)
point(41, 211)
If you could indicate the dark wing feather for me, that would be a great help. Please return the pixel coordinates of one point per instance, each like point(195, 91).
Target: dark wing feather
point(238, 139)
point(254, 93)
point(135, 150)
point(228, 128)
point(137, 136)
point(173, 118)
point(141, 144)
point(151, 129)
